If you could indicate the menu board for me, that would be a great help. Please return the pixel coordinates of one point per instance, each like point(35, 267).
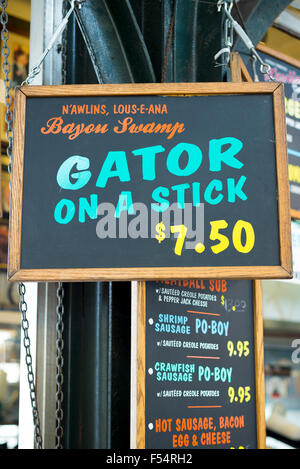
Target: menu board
point(116, 182)
point(200, 374)
point(286, 70)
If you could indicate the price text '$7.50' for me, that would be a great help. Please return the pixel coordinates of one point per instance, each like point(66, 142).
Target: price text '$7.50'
point(241, 245)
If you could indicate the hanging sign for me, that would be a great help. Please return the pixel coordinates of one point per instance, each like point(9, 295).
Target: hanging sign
point(285, 69)
point(149, 182)
point(200, 365)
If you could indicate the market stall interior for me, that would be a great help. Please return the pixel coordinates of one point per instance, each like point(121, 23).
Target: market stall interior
point(96, 313)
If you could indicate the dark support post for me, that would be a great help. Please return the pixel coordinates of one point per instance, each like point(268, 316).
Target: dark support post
point(97, 365)
point(132, 45)
point(98, 315)
point(86, 367)
point(259, 16)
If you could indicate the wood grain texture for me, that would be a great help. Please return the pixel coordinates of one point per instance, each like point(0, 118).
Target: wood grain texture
point(149, 89)
point(141, 357)
point(147, 273)
point(15, 219)
point(259, 366)
point(239, 72)
point(235, 69)
point(282, 180)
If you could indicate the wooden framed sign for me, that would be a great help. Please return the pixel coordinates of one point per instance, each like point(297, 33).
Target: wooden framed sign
point(200, 365)
point(150, 181)
point(286, 69)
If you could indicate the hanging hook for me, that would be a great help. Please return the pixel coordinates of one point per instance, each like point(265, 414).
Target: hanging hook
point(225, 50)
point(264, 67)
point(225, 3)
point(79, 3)
point(37, 68)
point(219, 5)
point(253, 64)
point(228, 4)
point(228, 34)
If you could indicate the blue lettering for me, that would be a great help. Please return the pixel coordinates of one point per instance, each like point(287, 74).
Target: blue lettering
point(69, 207)
point(194, 159)
point(148, 160)
point(81, 163)
point(216, 156)
point(117, 158)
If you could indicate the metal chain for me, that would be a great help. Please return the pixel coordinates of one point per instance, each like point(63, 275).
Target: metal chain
point(59, 431)
point(37, 68)
point(64, 46)
point(21, 287)
point(60, 291)
point(30, 374)
point(227, 6)
point(7, 81)
point(59, 365)
point(228, 40)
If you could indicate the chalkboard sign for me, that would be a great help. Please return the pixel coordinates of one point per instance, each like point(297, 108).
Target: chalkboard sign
point(286, 70)
point(149, 182)
point(200, 365)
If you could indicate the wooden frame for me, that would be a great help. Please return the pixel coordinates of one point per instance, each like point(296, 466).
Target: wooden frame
point(259, 365)
point(284, 270)
point(238, 69)
point(291, 61)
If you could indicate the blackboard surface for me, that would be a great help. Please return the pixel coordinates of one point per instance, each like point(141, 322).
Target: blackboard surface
point(200, 375)
point(104, 179)
point(289, 74)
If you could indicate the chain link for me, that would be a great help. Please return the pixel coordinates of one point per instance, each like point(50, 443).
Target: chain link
point(59, 431)
point(59, 30)
point(64, 46)
point(7, 81)
point(28, 361)
point(60, 291)
point(59, 365)
point(241, 33)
